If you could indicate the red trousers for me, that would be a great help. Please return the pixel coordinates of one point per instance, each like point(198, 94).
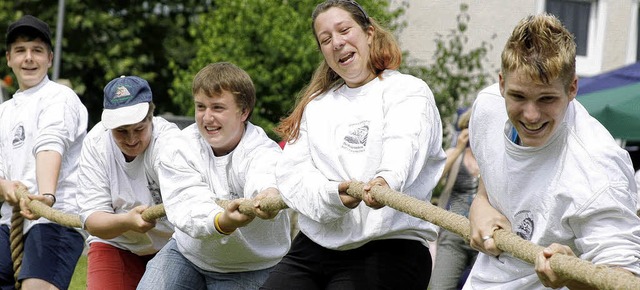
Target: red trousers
point(113, 268)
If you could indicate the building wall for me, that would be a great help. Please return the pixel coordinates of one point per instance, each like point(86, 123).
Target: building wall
point(493, 20)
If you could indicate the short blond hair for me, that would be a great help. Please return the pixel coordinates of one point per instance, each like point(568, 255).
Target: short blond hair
point(542, 48)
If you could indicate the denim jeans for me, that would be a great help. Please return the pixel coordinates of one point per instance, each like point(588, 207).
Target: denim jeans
point(169, 269)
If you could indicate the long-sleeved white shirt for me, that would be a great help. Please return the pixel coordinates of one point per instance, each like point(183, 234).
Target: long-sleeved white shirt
point(110, 184)
point(576, 190)
point(49, 116)
point(389, 127)
point(192, 179)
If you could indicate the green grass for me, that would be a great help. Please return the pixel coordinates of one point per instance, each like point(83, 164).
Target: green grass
point(79, 279)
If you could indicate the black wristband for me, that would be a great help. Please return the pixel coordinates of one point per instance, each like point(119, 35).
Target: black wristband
point(53, 196)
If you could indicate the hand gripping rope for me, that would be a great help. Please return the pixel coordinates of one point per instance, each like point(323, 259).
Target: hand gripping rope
point(598, 276)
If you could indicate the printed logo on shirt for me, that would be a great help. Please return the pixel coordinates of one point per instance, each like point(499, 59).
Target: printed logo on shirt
point(356, 140)
point(18, 136)
point(525, 225)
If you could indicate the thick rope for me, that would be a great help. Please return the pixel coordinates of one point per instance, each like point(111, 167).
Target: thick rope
point(598, 276)
point(16, 237)
point(43, 210)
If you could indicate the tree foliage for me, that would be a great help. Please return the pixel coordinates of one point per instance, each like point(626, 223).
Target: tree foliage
point(272, 40)
point(167, 42)
point(106, 39)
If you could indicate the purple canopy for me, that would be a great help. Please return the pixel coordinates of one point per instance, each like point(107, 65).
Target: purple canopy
point(623, 76)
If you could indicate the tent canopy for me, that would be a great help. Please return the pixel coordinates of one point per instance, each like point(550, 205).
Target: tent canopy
point(618, 110)
point(623, 76)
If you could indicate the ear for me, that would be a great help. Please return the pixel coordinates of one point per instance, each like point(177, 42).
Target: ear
point(573, 88)
point(501, 82)
point(50, 59)
point(8, 56)
point(244, 115)
point(370, 31)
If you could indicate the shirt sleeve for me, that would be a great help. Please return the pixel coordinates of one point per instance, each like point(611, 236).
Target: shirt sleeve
point(260, 168)
point(60, 124)
point(189, 202)
point(611, 212)
point(410, 127)
point(303, 186)
point(95, 192)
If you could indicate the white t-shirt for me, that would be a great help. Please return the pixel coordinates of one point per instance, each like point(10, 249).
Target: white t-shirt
point(389, 127)
point(191, 184)
point(575, 190)
point(637, 177)
point(110, 184)
point(49, 116)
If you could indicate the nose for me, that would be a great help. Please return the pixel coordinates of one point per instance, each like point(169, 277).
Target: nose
point(131, 138)
point(531, 112)
point(28, 56)
point(208, 115)
point(338, 42)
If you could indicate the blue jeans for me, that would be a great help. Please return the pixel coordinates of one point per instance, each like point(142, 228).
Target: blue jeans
point(169, 269)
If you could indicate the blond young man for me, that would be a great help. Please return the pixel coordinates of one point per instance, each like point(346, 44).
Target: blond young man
point(551, 173)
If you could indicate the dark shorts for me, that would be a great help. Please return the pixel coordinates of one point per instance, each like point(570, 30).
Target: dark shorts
point(50, 253)
point(381, 264)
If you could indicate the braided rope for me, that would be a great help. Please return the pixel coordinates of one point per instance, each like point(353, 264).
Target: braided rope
point(598, 276)
point(17, 247)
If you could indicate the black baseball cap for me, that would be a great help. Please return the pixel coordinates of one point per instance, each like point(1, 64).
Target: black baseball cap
point(31, 26)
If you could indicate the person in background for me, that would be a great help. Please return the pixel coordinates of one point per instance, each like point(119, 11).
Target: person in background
point(118, 181)
point(358, 119)
point(220, 157)
point(454, 256)
point(42, 128)
point(551, 173)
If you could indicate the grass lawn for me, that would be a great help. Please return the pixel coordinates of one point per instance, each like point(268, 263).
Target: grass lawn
point(79, 279)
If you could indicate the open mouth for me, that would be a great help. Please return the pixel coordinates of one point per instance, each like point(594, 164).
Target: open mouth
point(212, 129)
point(534, 128)
point(346, 58)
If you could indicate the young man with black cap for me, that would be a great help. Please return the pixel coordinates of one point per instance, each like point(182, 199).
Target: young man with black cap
point(41, 132)
point(118, 181)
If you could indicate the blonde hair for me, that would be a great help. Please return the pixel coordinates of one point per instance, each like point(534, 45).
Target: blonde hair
point(385, 54)
point(542, 48)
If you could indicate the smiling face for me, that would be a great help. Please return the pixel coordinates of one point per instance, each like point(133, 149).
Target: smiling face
point(220, 120)
point(30, 61)
point(534, 108)
point(345, 45)
point(133, 139)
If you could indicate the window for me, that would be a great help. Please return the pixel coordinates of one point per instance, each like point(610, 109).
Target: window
point(585, 19)
point(574, 14)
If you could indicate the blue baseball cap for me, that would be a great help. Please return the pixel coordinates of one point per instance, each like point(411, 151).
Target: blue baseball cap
point(126, 101)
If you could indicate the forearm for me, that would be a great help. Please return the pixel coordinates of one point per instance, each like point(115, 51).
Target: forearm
point(48, 165)
point(452, 156)
point(107, 225)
